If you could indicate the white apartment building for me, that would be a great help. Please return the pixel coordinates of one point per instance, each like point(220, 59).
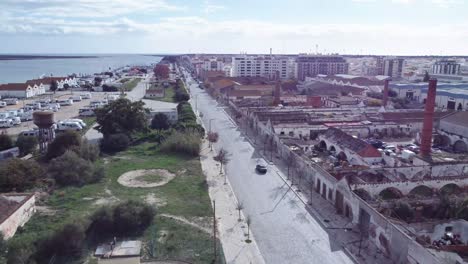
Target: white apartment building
point(212, 65)
point(263, 66)
point(393, 67)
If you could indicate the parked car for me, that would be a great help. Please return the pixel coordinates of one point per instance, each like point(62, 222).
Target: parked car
point(11, 101)
point(30, 133)
point(3, 104)
point(86, 111)
point(6, 123)
point(4, 115)
point(16, 120)
point(76, 98)
point(261, 167)
point(64, 126)
point(26, 116)
point(79, 121)
point(86, 96)
point(65, 102)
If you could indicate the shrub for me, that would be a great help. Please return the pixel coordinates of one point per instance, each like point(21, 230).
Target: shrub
point(19, 175)
point(132, 217)
point(66, 242)
point(5, 142)
point(26, 144)
point(63, 142)
point(160, 122)
point(182, 143)
point(115, 142)
point(128, 218)
point(109, 88)
point(70, 169)
point(87, 151)
point(19, 251)
point(181, 95)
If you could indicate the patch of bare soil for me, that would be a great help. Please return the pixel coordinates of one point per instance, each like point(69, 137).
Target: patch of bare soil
point(134, 179)
point(151, 199)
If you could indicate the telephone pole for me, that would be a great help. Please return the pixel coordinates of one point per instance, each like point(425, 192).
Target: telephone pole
point(214, 231)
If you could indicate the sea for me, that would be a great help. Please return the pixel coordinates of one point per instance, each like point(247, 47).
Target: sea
point(21, 70)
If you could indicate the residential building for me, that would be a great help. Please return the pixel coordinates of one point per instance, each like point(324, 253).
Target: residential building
point(212, 65)
point(156, 107)
point(313, 65)
point(21, 90)
point(393, 67)
point(62, 82)
point(446, 67)
point(15, 210)
point(263, 66)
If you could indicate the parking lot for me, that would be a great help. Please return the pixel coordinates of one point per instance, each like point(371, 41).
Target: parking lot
point(65, 112)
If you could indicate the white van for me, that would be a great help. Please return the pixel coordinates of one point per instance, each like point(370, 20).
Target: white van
point(76, 98)
point(6, 123)
point(4, 115)
point(26, 116)
point(65, 102)
point(16, 120)
point(11, 101)
point(30, 133)
point(34, 106)
point(86, 112)
point(64, 126)
point(79, 121)
point(86, 96)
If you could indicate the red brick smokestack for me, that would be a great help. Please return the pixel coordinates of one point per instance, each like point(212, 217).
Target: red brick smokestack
point(426, 138)
point(277, 92)
point(385, 93)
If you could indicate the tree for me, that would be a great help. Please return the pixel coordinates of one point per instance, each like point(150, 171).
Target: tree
point(122, 116)
point(161, 71)
point(212, 138)
point(427, 77)
point(64, 243)
point(70, 169)
point(19, 175)
point(5, 142)
point(239, 207)
point(115, 143)
point(53, 86)
point(66, 86)
point(97, 81)
point(222, 158)
point(26, 144)
point(63, 142)
point(160, 122)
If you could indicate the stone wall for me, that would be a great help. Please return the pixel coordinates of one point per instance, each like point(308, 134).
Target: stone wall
point(19, 217)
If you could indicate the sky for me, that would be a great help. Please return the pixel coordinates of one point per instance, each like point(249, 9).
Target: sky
point(384, 27)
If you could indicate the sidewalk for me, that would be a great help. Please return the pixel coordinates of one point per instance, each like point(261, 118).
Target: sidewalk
point(232, 232)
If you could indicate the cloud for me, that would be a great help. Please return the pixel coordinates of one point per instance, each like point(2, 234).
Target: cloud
point(85, 8)
point(212, 8)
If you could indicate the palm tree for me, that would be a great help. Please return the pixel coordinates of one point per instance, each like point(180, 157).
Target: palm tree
point(239, 207)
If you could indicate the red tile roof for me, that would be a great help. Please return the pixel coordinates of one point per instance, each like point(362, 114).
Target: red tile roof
point(14, 87)
point(347, 141)
point(242, 93)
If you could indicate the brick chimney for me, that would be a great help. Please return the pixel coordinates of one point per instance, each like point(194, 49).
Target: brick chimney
point(277, 95)
point(426, 138)
point(385, 93)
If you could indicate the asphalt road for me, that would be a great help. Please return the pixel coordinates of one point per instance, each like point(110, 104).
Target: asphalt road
point(284, 231)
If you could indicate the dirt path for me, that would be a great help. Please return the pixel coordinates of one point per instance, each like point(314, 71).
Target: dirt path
point(131, 178)
point(185, 221)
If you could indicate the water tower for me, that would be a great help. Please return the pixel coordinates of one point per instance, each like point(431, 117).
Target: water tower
point(45, 121)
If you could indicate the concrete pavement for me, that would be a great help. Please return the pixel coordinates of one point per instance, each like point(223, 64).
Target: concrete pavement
point(284, 230)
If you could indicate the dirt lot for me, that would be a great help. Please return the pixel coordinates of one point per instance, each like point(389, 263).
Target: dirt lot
point(64, 112)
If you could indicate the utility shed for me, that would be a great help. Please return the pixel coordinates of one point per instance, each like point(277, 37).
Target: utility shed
point(124, 252)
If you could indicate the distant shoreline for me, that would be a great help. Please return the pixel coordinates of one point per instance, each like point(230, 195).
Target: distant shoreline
point(42, 57)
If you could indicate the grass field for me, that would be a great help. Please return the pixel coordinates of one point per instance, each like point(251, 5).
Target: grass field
point(186, 196)
point(168, 96)
point(129, 85)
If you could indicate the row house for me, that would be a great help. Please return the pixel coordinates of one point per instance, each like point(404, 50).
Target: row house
point(21, 90)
